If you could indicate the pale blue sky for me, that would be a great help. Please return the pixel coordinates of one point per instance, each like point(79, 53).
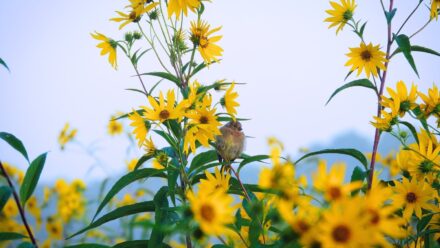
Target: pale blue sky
point(282, 49)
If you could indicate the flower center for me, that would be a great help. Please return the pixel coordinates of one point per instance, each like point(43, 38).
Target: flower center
point(303, 226)
point(411, 197)
point(366, 55)
point(207, 213)
point(164, 114)
point(335, 193)
point(204, 120)
point(341, 234)
point(375, 218)
point(426, 166)
point(347, 15)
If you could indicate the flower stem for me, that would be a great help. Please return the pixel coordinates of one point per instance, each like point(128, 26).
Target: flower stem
point(20, 208)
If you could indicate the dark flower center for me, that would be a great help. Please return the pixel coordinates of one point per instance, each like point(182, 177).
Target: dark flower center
point(164, 114)
point(341, 234)
point(375, 218)
point(204, 120)
point(303, 226)
point(207, 213)
point(411, 197)
point(366, 55)
point(335, 192)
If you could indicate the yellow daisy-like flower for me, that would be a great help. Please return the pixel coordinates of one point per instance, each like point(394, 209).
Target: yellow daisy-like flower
point(405, 99)
point(114, 127)
point(176, 7)
point(219, 181)
point(332, 183)
point(66, 135)
point(200, 36)
point(344, 225)
point(140, 127)
point(340, 14)
point(138, 8)
point(435, 5)
point(385, 122)
point(193, 135)
point(150, 148)
point(212, 211)
point(425, 160)
point(229, 101)
point(366, 58)
point(431, 101)
point(54, 228)
point(162, 111)
point(108, 46)
point(414, 196)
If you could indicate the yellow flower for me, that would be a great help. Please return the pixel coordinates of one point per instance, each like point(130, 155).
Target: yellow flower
point(66, 135)
point(107, 45)
point(10, 209)
point(413, 196)
point(140, 127)
point(229, 101)
point(368, 58)
point(212, 212)
point(385, 122)
point(150, 148)
point(162, 111)
point(344, 225)
point(114, 127)
point(435, 5)
point(213, 183)
point(132, 164)
point(332, 184)
point(176, 7)
point(160, 161)
point(280, 177)
point(138, 8)
point(424, 160)
point(193, 135)
point(54, 228)
point(126, 200)
point(34, 209)
point(340, 14)
point(405, 101)
point(206, 45)
point(431, 101)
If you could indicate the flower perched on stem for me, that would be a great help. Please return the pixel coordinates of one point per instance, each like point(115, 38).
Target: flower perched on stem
point(340, 14)
point(114, 127)
point(107, 45)
point(400, 101)
point(138, 8)
point(414, 196)
point(229, 101)
point(431, 101)
point(212, 211)
point(200, 36)
point(66, 135)
point(140, 127)
point(435, 5)
point(366, 57)
point(162, 111)
point(176, 7)
point(219, 181)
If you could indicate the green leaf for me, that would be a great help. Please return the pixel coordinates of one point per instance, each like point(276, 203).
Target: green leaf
point(412, 129)
point(345, 151)
point(141, 207)
point(362, 29)
point(87, 245)
point(26, 245)
point(126, 180)
point(139, 111)
point(252, 159)
point(168, 138)
point(173, 174)
point(2, 62)
point(405, 45)
point(390, 15)
point(164, 75)
point(5, 193)
point(421, 117)
point(357, 175)
point(138, 91)
point(417, 49)
point(254, 232)
point(15, 143)
point(142, 160)
point(360, 82)
point(423, 222)
point(161, 217)
point(4, 236)
point(138, 244)
point(202, 159)
point(174, 126)
point(31, 178)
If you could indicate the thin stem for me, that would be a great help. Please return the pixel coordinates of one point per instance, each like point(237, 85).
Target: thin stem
point(379, 106)
point(407, 19)
point(420, 30)
point(20, 208)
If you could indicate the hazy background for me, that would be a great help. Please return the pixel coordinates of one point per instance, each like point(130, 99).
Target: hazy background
point(282, 49)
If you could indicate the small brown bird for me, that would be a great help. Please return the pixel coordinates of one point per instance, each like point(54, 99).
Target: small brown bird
point(230, 143)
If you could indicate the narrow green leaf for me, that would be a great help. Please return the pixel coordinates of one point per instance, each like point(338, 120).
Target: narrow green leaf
point(160, 217)
point(31, 178)
point(251, 159)
point(360, 82)
point(15, 143)
point(2, 62)
point(412, 129)
point(5, 193)
point(138, 244)
point(173, 175)
point(358, 174)
point(417, 49)
point(126, 180)
point(26, 245)
point(168, 138)
point(164, 75)
point(5, 236)
point(345, 151)
point(154, 87)
point(390, 15)
point(141, 207)
point(421, 117)
point(362, 29)
point(142, 160)
point(405, 45)
point(87, 245)
point(202, 159)
point(138, 91)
